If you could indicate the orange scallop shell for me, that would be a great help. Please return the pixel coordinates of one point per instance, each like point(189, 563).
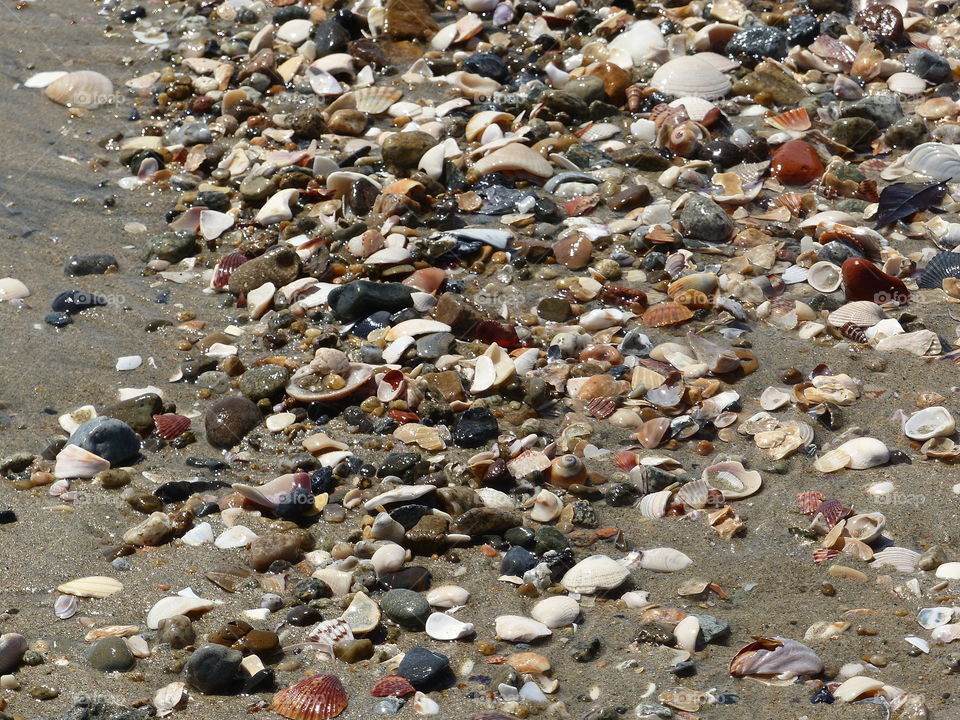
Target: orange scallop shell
point(795, 119)
point(171, 425)
point(666, 313)
point(317, 698)
point(392, 685)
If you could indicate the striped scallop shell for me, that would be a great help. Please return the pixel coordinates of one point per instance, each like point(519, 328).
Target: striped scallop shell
point(822, 555)
point(655, 504)
point(795, 119)
point(809, 501)
point(900, 558)
point(376, 100)
point(690, 75)
point(862, 313)
point(171, 425)
point(392, 686)
point(694, 494)
point(943, 265)
point(316, 698)
point(225, 267)
point(665, 314)
point(935, 160)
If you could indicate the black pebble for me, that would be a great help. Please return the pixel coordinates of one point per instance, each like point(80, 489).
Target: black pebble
point(133, 14)
point(7, 516)
point(486, 65)
point(92, 264)
point(58, 320)
point(303, 615)
point(207, 463)
point(74, 301)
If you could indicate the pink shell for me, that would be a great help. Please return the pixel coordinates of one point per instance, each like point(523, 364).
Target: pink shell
point(171, 425)
point(832, 511)
point(601, 407)
point(809, 501)
point(821, 555)
point(225, 267)
point(317, 698)
point(392, 686)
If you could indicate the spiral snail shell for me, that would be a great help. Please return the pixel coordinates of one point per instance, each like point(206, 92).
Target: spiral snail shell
point(567, 470)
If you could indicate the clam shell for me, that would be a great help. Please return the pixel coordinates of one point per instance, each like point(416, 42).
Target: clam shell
point(861, 313)
point(516, 628)
point(447, 596)
point(65, 606)
point(388, 558)
point(949, 571)
point(774, 398)
point(934, 617)
point(557, 611)
point(375, 100)
point(95, 586)
point(732, 479)
point(686, 633)
point(866, 527)
point(317, 698)
point(13, 289)
point(773, 656)
point(906, 83)
point(441, 626)
point(935, 160)
point(690, 75)
point(931, 422)
point(654, 505)
point(75, 462)
point(82, 89)
point(943, 265)
point(642, 41)
point(946, 633)
point(694, 494)
point(306, 384)
point(664, 560)
point(596, 573)
point(169, 697)
point(514, 158)
point(864, 453)
point(857, 687)
point(824, 277)
point(176, 605)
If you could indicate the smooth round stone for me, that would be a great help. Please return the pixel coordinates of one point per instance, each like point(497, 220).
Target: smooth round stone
point(303, 615)
point(516, 561)
point(279, 265)
point(486, 65)
point(853, 131)
point(12, 648)
point(703, 219)
point(409, 578)
point(401, 152)
point(213, 668)
point(353, 651)
point(421, 666)
point(406, 608)
point(434, 345)
point(882, 21)
point(261, 642)
point(271, 602)
point(137, 412)
point(229, 419)
point(796, 163)
point(57, 320)
point(362, 298)
point(520, 536)
point(176, 631)
point(802, 29)
point(171, 246)
point(266, 381)
point(931, 67)
point(111, 439)
point(268, 549)
point(330, 37)
point(92, 264)
point(475, 427)
point(74, 301)
point(111, 654)
point(311, 589)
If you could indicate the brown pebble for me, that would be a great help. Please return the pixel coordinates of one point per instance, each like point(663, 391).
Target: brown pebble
point(288, 665)
point(828, 589)
point(878, 660)
point(485, 648)
point(864, 630)
point(791, 376)
point(704, 447)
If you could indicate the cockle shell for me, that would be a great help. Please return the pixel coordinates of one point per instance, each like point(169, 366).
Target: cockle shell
point(441, 626)
point(392, 686)
point(596, 573)
point(935, 160)
point(824, 277)
point(931, 422)
point(514, 158)
point(95, 586)
point(664, 560)
point(690, 75)
point(516, 628)
point(900, 558)
point(773, 656)
point(546, 507)
point(861, 313)
point(448, 596)
point(330, 632)
point(317, 698)
point(176, 605)
point(171, 425)
point(654, 505)
point(695, 494)
point(858, 454)
point(556, 611)
point(944, 266)
point(732, 479)
point(82, 89)
point(75, 462)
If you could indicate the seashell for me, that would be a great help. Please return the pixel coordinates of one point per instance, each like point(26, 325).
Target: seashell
point(948, 571)
point(176, 605)
point(171, 425)
point(824, 277)
point(931, 422)
point(482, 120)
point(225, 267)
point(472, 85)
point(654, 505)
point(72, 420)
point(906, 83)
point(82, 89)
point(199, 534)
point(95, 586)
point(513, 159)
point(866, 527)
point(316, 698)
point(642, 41)
point(329, 633)
point(277, 207)
point(597, 573)
point(690, 75)
point(946, 633)
point(213, 224)
point(796, 119)
point(922, 343)
point(774, 398)
point(307, 385)
point(388, 558)
point(123, 631)
point(567, 470)
point(516, 628)
point(285, 488)
point(362, 615)
point(169, 698)
point(774, 656)
point(717, 358)
point(859, 686)
point(392, 686)
point(546, 507)
point(943, 266)
point(695, 494)
point(557, 611)
point(375, 100)
point(935, 160)
point(863, 453)
point(425, 705)
point(12, 289)
point(652, 432)
point(75, 462)
point(441, 626)
point(822, 555)
point(402, 494)
point(666, 314)
point(447, 596)
point(687, 633)
point(664, 560)
point(702, 282)
point(934, 617)
point(900, 558)
point(65, 606)
point(732, 479)
point(12, 648)
point(861, 313)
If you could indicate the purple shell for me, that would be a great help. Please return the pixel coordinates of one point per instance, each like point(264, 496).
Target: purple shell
point(228, 263)
point(502, 14)
point(65, 606)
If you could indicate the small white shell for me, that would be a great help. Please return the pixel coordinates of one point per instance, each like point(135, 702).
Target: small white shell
point(167, 698)
point(861, 453)
point(861, 313)
point(906, 83)
point(935, 160)
point(12, 289)
point(362, 615)
point(236, 537)
point(65, 606)
point(516, 628)
point(83, 89)
point(176, 605)
point(448, 596)
point(824, 276)
point(654, 505)
point(857, 687)
point(595, 574)
point(774, 398)
point(900, 558)
point(388, 558)
point(732, 479)
point(690, 75)
point(664, 560)
point(277, 208)
point(934, 617)
point(556, 611)
point(642, 41)
point(686, 633)
point(546, 507)
point(404, 493)
point(866, 527)
point(441, 626)
point(931, 422)
point(949, 571)
point(75, 462)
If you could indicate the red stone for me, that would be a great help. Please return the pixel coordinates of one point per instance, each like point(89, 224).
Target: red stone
point(862, 280)
point(796, 163)
point(490, 331)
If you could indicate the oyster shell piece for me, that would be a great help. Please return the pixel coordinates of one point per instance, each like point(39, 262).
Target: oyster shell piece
point(931, 422)
point(774, 656)
point(307, 384)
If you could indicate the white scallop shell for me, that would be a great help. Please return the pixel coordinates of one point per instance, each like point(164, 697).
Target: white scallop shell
point(441, 626)
point(696, 107)
point(83, 89)
point(664, 560)
point(861, 313)
point(448, 596)
point(690, 75)
point(694, 494)
point(556, 611)
point(900, 558)
point(516, 628)
point(931, 422)
point(595, 574)
point(654, 505)
point(935, 160)
point(824, 277)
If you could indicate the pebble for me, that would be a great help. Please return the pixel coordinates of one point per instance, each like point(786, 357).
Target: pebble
point(213, 669)
point(111, 439)
point(796, 163)
point(406, 608)
point(758, 42)
point(176, 631)
point(262, 382)
point(111, 654)
point(703, 219)
point(422, 667)
point(363, 297)
point(137, 412)
point(267, 549)
point(92, 264)
point(74, 301)
point(228, 420)
point(402, 151)
point(12, 648)
point(278, 265)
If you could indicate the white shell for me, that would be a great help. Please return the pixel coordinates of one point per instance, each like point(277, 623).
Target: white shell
point(861, 313)
point(664, 560)
point(595, 574)
point(935, 160)
point(642, 40)
point(83, 89)
point(546, 507)
point(236, 537)
point(690, 75)
point(404, 493)
point(199, 534)
point(732, 479)
point(176, 605)
point(866, 527)
point(654, 505)
point(861, 453)
point(75, 462)
point(277, 208)
point(388, 558)
point(824, 276)
point(12, 289)
point(94, 586)
point(448, 596)
point(686, 633)
point(949, 571)
point(946, 633)
point(213, 224)
point(931, 422)
point(338, 580)
point(906, 83)
point(441, 626)
point(900, 558)
point(167, 698)
point(774, 398)
point(857, 687)
point(362, 615)
point(694, 494)
point(72, 420)
point(294, 31)
point(425, 705)
point(516, 628)
point(934, 617)
point(556, 611)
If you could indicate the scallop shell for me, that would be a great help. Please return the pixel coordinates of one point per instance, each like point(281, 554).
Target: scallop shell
point(375, 100)
point(596, 573)
point(654, 505)
point(82, 89)
point(95, 586)
point(557, 611)
point(935, 160)
point(690, 75)
point(866, 527)
point(694, 494)
point(665, 314)
point(306, 384)
point(931, 422)
point(225, 267)
point(75, 462)
point(809, 501)
point(441, 626)
point(900, 558)
point(943, 265)
point(171, 425)
point(732, 479)
point(861, 313)
point(664, 560)
point(513, 158)
point(796, 119)
point(392, 686)
point(331, 632)
point(824, 277)
point(316, 698)
point(516, 628)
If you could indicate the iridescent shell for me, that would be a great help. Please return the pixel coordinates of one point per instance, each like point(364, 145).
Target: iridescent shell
point(773, 656)
point(316, 698)
point(171, 425)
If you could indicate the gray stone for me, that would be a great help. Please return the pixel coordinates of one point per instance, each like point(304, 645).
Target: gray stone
point(171, 246)
point(212, 669)
point(884, 109)
point(266, 381)
point(853, 131)
point(421, 666)
point(110, 654)
point(402, 151)
point(434, 345)
point(406, 608)
point(111, 439)
point(228, 420)
point(91, 264)
point(176, 631)
point(703, 219)
point(279, 265)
